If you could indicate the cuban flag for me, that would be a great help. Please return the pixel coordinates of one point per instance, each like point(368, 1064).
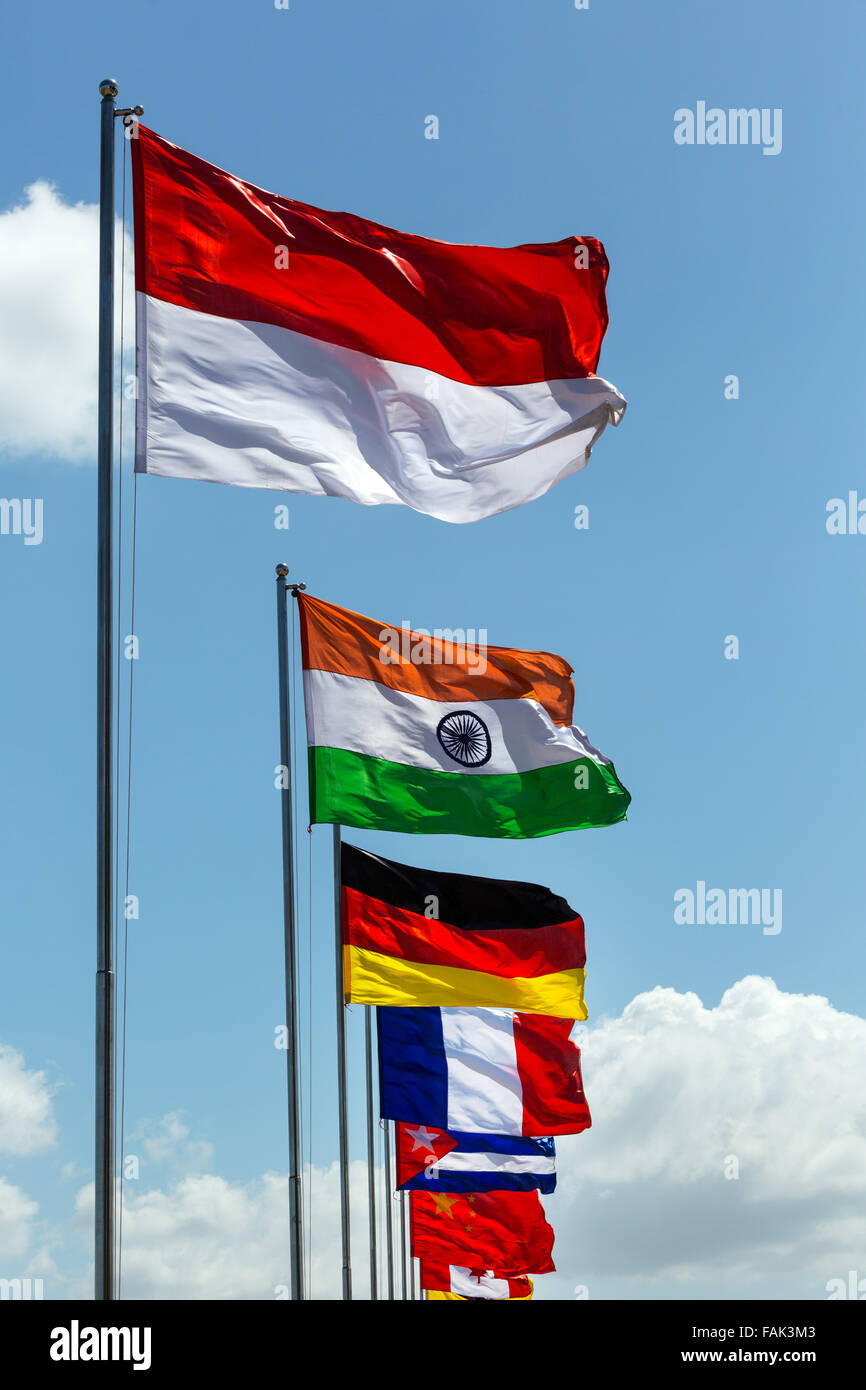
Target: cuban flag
point(434, 1160)
point(481, 1071)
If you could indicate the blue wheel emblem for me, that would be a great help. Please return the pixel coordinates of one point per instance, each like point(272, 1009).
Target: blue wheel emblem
point(465, 738)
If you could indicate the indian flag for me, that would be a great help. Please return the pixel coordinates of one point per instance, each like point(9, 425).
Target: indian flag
point(283, 346)
point(432, 735)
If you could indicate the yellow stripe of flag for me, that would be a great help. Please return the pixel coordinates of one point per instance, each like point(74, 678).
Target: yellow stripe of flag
point(371, 978)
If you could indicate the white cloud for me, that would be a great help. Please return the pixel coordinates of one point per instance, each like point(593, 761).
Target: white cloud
point(48, 326)
point(27, 1127)
point(26, 1121)
point(167, 1141)
point(644, 1209)
point(17, 1214)
point(677, 1090)
point(205, 1237)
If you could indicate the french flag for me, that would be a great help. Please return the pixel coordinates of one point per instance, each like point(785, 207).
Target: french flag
point(438, 1161)
point(481, 1071)
point(283, 346)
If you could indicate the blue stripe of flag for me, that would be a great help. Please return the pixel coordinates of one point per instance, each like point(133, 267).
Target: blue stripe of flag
point(483, 1182)
point(471, 1143)
point(413, 1073)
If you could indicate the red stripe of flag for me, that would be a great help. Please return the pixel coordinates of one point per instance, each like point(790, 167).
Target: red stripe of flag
point(548, 1064)
point(510, 952)
point(493, 316)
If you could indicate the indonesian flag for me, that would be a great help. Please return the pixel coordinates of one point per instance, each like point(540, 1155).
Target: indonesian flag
point(481, 1071)
point(493, 943)
point(505, 1231)
point(415, 732)
point(457, 1282)
point(282, 346)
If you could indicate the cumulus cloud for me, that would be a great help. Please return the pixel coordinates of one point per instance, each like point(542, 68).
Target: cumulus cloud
point(728, 1147)
point(17, 1216)
point(206, 1238)
point(27, 1127)
point(27, 1124)
point(167, 1141)
point(728, 1143)
point(48, 326)
point(728, 1151)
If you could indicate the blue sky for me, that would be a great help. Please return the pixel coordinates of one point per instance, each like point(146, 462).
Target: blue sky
point(707, 519)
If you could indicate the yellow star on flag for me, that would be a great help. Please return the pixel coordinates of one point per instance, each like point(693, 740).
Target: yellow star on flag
point(443, 1203)
point(470, 1198)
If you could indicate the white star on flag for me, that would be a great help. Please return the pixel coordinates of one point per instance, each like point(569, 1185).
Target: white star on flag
point(422, 1138)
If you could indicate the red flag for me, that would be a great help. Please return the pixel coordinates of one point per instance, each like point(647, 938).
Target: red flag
point(505, 1231)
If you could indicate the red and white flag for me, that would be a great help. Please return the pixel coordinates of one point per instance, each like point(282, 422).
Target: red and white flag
point(456, 1281)
point(281, 346)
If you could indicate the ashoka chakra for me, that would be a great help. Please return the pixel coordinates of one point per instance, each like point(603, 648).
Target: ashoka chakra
point(465, 738)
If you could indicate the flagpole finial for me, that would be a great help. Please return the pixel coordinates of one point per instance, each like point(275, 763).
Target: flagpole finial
point(108, 87)
point(282, 571)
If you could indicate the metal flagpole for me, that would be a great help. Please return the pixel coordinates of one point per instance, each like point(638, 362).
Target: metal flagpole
point(404, 1289)
point(389, 1203)
point(296, 1229)
point(371, 1156)
point(105, 1061)
point(104, 1148)
point(343, 1109)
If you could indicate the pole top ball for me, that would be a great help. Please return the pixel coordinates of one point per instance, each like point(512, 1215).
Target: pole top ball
point(108, 87)
point(282, 571)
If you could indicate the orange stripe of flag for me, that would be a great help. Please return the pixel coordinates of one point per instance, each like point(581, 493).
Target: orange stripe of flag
point(336, 639)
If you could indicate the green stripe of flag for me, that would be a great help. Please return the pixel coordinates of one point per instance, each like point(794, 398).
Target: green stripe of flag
point(355, 789)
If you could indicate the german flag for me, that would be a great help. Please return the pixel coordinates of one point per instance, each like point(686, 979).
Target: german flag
point(418, 937)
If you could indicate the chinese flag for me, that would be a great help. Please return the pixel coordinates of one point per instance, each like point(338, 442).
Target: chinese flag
point(505, 1231)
